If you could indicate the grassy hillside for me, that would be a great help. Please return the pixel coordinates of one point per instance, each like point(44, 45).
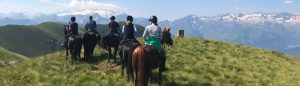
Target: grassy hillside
point(191, 62)
point(7, 57)
point(31, 40)
point(37, 40)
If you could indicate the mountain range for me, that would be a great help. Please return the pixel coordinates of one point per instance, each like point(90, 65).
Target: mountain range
point(275, 31)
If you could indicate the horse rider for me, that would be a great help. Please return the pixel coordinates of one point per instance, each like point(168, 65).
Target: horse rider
point(72, 28)
point(128, 31)
point(152, 36)
point(91, 26)
point(114, 27)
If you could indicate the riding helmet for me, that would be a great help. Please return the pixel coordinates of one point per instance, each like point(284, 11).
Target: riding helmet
point(73, 18)
point(153, 19)
point(129, 18)
point(91, 17)
point(112, 18)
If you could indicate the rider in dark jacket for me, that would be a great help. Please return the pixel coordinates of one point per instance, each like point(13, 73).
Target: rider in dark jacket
point(90, 28)
point(128, 31)
point(72, 28)
point(114, 27)
point(91, 25)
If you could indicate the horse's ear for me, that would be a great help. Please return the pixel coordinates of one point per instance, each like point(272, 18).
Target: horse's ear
point(165, 29)
point(169, 29)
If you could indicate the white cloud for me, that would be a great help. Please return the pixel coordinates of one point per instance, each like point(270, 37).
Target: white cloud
point(91, 4)
point(45, 0)
point(288, 1)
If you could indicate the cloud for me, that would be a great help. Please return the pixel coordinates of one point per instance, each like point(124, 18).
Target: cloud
point(288, 1)
point(45, 0)
point(91, 4)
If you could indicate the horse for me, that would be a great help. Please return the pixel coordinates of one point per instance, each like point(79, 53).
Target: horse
point(111, 41)
point(73, 43)
point(125, 53)
point(90, 41)
point(164, 41)
point(146, 58)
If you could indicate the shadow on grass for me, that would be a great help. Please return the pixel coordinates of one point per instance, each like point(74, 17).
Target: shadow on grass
point(95, 59)
point(166, 82)
point(189, 84)
point(100, 58)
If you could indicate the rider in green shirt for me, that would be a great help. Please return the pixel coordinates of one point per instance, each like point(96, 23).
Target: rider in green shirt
point(152, 36)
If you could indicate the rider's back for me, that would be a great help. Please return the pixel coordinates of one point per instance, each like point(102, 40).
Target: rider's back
point(153, 31)
point(91, 26)
point(74, 27)
point(128, 31)
point(114, 27)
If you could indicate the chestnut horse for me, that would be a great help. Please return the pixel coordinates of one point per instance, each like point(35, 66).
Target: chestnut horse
point(165, 40)
point(146, 58)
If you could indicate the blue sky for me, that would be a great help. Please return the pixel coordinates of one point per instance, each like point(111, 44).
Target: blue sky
point(164, 9)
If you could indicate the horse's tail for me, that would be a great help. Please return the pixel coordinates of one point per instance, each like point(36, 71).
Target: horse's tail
point(138, 65)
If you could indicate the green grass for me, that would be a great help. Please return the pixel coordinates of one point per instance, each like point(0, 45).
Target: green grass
point(33, 40)
point(7, 57)
point(191, 62)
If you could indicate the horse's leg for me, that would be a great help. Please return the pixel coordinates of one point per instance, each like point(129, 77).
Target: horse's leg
point(122, 60)
point(141, 70)
point(126, 56)
point(147, 76)
point(72, 55)
point(115, 54)
point(109, 53)
point(67, 53)
point(159, 77)
point(129, 65)
point(135, 68)
point(79, 49)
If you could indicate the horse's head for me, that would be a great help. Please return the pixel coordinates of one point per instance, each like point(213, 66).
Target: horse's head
point(66, 29)
point(167, 39)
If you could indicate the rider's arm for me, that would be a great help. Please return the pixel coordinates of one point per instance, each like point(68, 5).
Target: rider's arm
point(109, 25)
point(135, 30)
point(86, 26)
point(123, 29)
point(146, 33)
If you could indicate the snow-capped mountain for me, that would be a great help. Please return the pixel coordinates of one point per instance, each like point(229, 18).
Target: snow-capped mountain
point(13, 16)
point(275, 31)
point(260, 18)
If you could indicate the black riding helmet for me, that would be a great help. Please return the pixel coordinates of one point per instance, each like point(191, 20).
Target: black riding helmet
point(129, 18)
point(73, 18)
point(91, 17)
point(112, 18)
point(153, 19)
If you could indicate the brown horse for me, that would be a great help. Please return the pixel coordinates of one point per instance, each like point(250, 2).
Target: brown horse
point(165, 41)
point(144, 59)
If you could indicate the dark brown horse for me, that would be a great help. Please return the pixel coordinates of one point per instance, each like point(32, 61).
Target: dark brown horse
point(125, 53)
point(90, 41)
point(111, 41)
point(146, 58)
point(73, 43)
